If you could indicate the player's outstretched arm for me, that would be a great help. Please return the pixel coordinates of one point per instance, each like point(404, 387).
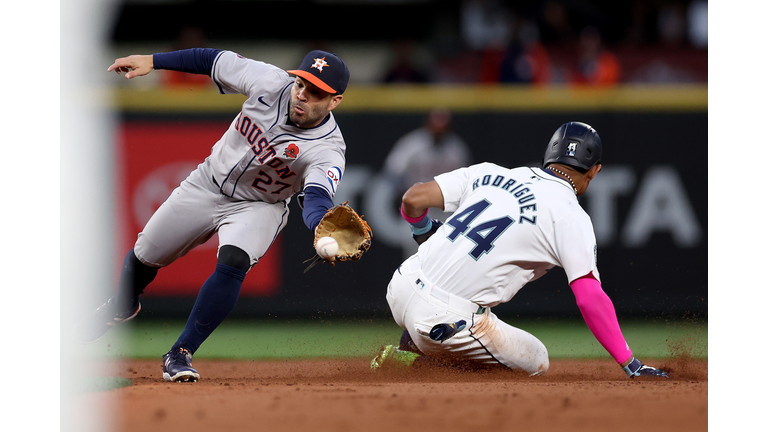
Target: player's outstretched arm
point(600, 315)
point(133, 66)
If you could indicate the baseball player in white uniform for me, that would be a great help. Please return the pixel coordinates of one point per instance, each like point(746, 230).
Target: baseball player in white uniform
point(508, 227)
point(284, 141)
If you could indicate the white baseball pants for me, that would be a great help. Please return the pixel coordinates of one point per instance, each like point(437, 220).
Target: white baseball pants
point(417, 306)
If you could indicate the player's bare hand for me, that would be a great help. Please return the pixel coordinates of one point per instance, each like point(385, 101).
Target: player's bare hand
point(133, 66)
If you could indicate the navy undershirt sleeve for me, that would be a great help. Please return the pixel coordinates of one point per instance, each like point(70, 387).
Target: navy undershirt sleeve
point(317, 201)
point(193, 60)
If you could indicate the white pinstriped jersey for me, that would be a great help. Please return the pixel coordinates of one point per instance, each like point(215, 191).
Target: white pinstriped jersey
point(508, 227)
point(261, 157)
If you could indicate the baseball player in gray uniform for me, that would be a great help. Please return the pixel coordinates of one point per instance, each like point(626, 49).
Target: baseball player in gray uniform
point(508, 227)
point(284, 141)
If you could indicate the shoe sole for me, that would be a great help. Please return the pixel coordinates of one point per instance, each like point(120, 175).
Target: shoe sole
point(181, 377)
point(109, 325)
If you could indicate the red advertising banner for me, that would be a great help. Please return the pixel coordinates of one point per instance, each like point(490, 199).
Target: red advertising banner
point(154, 158)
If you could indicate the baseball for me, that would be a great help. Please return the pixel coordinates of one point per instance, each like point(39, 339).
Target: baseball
point(327, 247)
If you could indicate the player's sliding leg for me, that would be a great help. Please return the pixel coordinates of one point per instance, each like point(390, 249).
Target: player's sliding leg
point(498, 342)
point(484, 339)
point(215, 301)
point(134, 277)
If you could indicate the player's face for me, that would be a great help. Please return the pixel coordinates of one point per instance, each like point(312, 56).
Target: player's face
point(309, 105)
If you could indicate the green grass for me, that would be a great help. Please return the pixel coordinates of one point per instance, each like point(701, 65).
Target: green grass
point(301, 339)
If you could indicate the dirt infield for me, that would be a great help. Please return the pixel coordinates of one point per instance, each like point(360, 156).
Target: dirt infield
point(344, 395)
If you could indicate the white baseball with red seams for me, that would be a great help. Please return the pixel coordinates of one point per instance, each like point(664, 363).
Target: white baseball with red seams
point(327, 247)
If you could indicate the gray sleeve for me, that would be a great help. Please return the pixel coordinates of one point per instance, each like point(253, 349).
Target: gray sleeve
point(235, 74)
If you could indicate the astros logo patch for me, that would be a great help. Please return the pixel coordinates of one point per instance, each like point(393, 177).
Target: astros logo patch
point(292, 151)
point(320, 64)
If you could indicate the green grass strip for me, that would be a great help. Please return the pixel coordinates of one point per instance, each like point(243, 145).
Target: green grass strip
point(301, 339)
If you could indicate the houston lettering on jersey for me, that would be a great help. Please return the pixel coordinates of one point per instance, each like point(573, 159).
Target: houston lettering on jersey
point(265, 154)
point(519, 191)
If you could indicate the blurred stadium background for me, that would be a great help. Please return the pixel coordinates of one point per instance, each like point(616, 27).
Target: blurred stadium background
point(509, 74)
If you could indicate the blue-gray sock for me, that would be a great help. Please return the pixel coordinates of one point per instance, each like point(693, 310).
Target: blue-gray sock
point(215, 301)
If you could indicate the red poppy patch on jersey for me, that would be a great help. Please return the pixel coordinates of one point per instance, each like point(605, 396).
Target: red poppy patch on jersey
point(292, 151)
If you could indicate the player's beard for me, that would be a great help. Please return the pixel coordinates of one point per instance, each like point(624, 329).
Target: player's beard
point(311, 117)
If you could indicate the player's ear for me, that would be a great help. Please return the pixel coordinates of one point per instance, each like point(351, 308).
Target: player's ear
point(594, 170)
point(335, 101)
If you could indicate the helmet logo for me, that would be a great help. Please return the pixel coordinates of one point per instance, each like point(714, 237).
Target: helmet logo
point(571, 149)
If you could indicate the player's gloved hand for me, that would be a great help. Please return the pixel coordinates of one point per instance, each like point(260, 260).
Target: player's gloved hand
point(636, 368)
point(421, 235)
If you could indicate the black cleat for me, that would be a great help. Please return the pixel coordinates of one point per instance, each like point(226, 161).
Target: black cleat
point(177, 366)
point(106, 316)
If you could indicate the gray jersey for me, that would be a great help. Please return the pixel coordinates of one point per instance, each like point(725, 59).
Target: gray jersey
point(261, 156)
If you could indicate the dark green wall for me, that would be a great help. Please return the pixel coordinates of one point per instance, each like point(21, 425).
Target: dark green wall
point(652, 216)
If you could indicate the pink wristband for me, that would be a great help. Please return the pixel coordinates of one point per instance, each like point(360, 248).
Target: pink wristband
point(412, 220)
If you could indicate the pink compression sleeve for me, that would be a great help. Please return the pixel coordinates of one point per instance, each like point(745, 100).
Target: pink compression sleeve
point(600, 315)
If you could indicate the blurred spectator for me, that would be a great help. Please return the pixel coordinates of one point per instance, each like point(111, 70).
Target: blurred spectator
point(189, 37)
point(671, 25)
point(642, 28)
point(423, 153)
point(698, 18)
point(596, 64)
point(418, 156)
point(526, 60)
point(404, 69)
point(485, 24)
point(555, 23)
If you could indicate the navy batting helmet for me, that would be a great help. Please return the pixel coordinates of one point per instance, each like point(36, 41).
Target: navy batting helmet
point(574, 144)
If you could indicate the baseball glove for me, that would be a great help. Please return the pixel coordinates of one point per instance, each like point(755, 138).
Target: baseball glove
point(348, 229)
